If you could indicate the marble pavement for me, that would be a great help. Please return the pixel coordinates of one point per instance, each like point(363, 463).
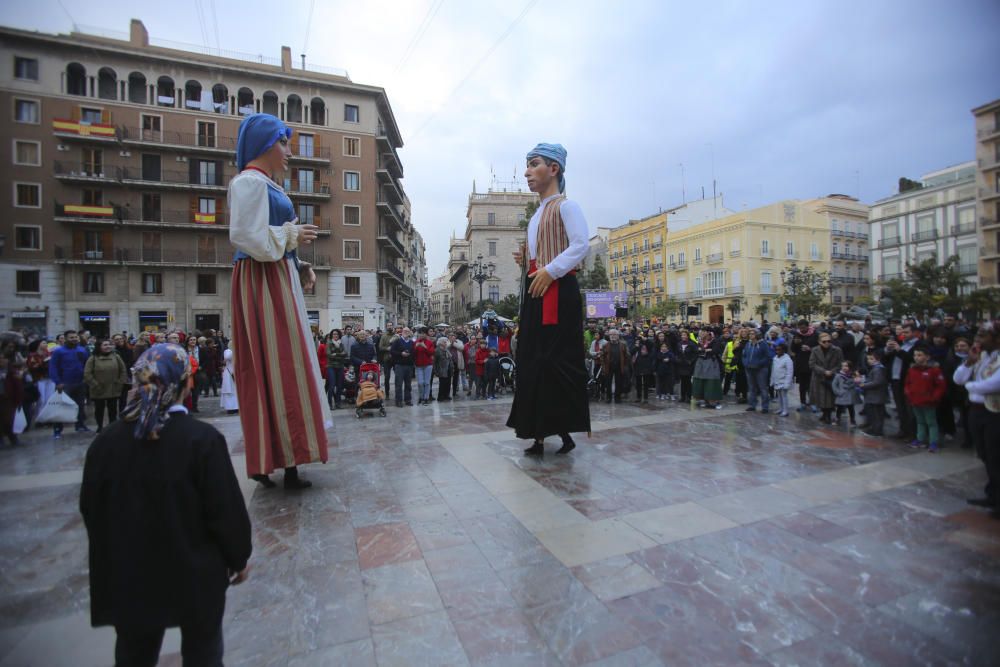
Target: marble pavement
point(670, 537)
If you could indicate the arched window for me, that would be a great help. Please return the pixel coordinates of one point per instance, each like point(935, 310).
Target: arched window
point(76, 79)
point(192, 95)
point(293, 109)
point(220, 98)
point(269, 103)
point(165, 95)
point(317, 111)
point(244, 101)
point(107, 84)
point(137, 88)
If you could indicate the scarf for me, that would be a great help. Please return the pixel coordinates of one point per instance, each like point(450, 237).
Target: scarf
point(159, 378)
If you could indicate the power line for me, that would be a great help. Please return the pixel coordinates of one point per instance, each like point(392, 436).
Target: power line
point(215, 24)
point(479, 63)
point(305, 45)
point(201, 23)
point(418, 35)
point(71, 20)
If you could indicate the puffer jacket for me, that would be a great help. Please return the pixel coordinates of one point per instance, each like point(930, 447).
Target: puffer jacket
point(925, 385)
point(782, 372)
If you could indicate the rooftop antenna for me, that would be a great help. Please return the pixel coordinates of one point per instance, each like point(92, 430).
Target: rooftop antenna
point(303, 60)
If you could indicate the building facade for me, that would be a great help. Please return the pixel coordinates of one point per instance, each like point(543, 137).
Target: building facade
point(440, 299)
point(597, 246)
point(636, 259)
point(936, 220)
point(494, 230)
point(847, 219)
point(728, 268)
point(988, 191)
point(122, 153)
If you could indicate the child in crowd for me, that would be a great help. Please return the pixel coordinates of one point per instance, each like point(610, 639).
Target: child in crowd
point(845, 391)
point(924, 388)
point(665, 373)
point(482, 354)
point(875, 388)
point(491, 367)
point(782, 377)
point(642, 366)
point(369, 392)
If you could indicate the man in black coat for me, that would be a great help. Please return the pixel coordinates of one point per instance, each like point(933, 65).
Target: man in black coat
point(167, 524)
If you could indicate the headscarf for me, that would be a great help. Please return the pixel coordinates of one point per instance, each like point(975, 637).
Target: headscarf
point(159, 377)
point(552, 152)
point(258, 132)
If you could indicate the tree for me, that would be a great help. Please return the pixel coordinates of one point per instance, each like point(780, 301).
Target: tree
point(735, 306)
point(763, 309)
point(928, 286)
point(597, 277)
point(662, 310)
point(509, 306)
point(529, 211)
point(982, 303)
point(906, 184)
point(805, 291)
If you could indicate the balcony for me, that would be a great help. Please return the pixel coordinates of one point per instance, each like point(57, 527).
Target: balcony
point(967, 228)
point(657, 245)
point(791, 255)
point(171, 180)
point(837, 298)
point(888, 242)
point(678, 266)
point(766, 253)
point(179, 141)
point(389, 238)
point(219, 258)
point(987, 194)
point(76, 129)
point(697, 261)
point(989, 163)
point(841, 233)
point(926, 235)
point(657, 267)
point(84, 212)
point(986, 222)
point(849, 256)
point(714, 258)
point(386, 148)
point(886, 277)
point(307, 188)
point(988, 249)
point(735, 253)
point(735, 290)
point(389, 189)
point(987, 133)
point(845, 280)
point(968, 269)
point(78, 172)
point(392, 270)
point(309, 153)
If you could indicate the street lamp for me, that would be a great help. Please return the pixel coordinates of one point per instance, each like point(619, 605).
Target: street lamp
point(480, 273)
point(633, 281)
point(793, 281)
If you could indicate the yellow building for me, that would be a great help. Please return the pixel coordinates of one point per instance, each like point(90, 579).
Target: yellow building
point(847, 220)
point(635, 250)
point(736, 262)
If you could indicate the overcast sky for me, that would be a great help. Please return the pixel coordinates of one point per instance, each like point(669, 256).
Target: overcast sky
point(786, 99)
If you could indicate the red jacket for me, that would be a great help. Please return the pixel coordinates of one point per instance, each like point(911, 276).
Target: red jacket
point(503, 344)
point(423, 352)
point(321, 352)
point(482, 354)
point(924, 386)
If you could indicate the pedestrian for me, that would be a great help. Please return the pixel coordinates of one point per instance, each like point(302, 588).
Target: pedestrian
point(227, 394)
point(363, 351)
point(757, 357)
point(423, 362)
point(482, 354)
point(616, 364)
point(824, 362)
point(924, 388)
point(385, 355)
point(66, 365)
point(336, 360)
point(874, 386)
point(706, 385)
point(687, 356)
point(168, 530)
point(898, 357)
point(980, 375)
point(643, 365)
point(11, 397)
point(782, 377)
point(278, 381)
point(845, 391)
point(105, 374)
point(664, 369)
point(492, 373)
point(402, 367)
point(443, 368)
point(459, 379)
point(551, 396)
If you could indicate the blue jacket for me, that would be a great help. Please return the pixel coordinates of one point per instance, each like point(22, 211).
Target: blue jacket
point(362, 353)
point(66, 364)
point(757, 355)
point(396, 350)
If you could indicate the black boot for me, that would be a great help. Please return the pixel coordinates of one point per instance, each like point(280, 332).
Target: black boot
point(568, 444)
point(536, 449)
point(292, 480)
point(264, 481)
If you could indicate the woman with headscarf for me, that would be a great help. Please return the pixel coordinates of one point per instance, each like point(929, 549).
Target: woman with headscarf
point(165, 517)
point(551, 396)
point(278, 381)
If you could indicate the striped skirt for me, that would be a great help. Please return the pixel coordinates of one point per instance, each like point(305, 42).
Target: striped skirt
point(282, 409)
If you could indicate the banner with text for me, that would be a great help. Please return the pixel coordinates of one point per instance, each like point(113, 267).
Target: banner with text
point(603, 304)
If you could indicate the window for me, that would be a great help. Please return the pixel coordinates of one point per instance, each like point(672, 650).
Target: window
point(967, 215)
point(152, 283)
point(150, 167)
point(206, 250)
point(351, 114)
point(152, 247)
point(492, 248)
point(307, 180)
point(352, 147)
point(681, 257)
point(28, 153)
point(890, 231)
point(765, 282)
point(765, 248)
point(206, 173)
point(890, 267)
point(925, 224)
point(27, 238)
point(491, 218)
point(93, 243)
point(697, 254)
point(207, 283)
point(27, 195)
point(352, 286)
point(789, 249)
point(352, 249)
point(152, 128)
point(29, 281)
point(26, 111)
point(306, 145)
point(90, 116)
point(494, 293)
point(352, 181)
point(835, 248)
point(206, 205)
point(813, 251)
point(150, 206)
point(206, 134)
point(93, 161)
point(737, 278)
point(93, 197)
point(25, 68)
point(352, 215)
point(93, 282)
point(307, 214)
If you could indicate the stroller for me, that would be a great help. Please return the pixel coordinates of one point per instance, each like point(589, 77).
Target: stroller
point(370, 372)
point(508, 374)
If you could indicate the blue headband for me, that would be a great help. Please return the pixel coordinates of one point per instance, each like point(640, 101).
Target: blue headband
point(552, 152)
point(258, 132)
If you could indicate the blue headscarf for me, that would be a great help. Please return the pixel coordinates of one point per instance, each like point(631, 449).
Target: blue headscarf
point(552, 152)
point(258, 132)
point(159, 378)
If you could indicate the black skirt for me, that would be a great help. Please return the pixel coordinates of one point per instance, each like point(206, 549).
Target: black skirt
point(551, 394)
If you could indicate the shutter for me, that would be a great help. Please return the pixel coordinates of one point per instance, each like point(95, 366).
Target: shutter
point(193, 169)
point(78, 243)
point(194, 207)
point(218, 172)
point(220, 210)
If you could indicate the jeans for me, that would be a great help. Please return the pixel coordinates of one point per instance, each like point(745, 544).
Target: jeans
point(334, 384)
point(927, 425)
point(757, 379)
point(404, 386)
point(141, 648)
point(424, 382)
point(78, 392)
point(782, 396)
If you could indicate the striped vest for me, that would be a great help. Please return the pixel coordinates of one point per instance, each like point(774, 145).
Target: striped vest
point(552, 238)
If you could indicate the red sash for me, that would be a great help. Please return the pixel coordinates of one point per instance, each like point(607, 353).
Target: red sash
point(550, 300)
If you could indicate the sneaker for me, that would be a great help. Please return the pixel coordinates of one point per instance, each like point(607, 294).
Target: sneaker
point(82, 429)
point(933, 448)
point(782, 414)
point(718, 406)
point(915, 444)
point(57, 436)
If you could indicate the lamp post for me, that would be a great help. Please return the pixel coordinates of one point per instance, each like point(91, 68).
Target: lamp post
point(633, 281)
point(793, 281)
point(480, 273)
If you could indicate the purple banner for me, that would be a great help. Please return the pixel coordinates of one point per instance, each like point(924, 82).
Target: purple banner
point(603, 304)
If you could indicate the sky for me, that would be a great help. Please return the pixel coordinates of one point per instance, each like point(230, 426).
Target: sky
point(771, 100)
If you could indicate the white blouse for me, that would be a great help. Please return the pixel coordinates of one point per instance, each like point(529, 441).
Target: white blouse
point(249, 217)
point(576, 230)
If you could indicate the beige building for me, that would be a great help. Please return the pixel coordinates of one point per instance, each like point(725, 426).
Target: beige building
point(636, 259)
point(121, 155)
point(847, 219)
point(440, 300)
point(737, 260)
point(988, 191)
point(493, 232)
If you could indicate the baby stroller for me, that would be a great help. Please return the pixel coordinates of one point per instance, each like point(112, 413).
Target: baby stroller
point(370, 372)
point(594, 384)
point(350, 384)
point(507, 375)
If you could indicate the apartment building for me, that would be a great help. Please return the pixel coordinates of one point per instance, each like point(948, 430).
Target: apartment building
point(936, 219)
point(635, 259)
point(738, 260)
point(988, 191)
point(493, 231)
point(122, 150)
point(440, 299)
point(848, 222)
point(597, 246)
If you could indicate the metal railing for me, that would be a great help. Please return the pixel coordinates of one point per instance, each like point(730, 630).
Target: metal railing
point(392, 270)
point(678, 266)
point(888, 242)
point(384, 233)
point(890, 276)
point(967, 228)
point(714, 258)
point(82, 170)
point(298, 186)
point(925, 235)
point(171, 177)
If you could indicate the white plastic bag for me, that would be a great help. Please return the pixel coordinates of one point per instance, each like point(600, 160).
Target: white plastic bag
point(60, 409)
point(20, 421)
